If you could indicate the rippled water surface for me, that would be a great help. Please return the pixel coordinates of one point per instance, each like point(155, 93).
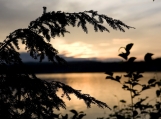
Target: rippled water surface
point(102, 89)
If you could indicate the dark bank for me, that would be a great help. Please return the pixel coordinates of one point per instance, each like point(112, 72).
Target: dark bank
point(94, 66)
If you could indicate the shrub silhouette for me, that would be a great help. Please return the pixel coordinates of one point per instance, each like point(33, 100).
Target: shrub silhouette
point(22, 94)
point(139, 108)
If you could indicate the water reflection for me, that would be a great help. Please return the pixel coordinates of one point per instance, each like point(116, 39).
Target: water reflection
point(97, 86)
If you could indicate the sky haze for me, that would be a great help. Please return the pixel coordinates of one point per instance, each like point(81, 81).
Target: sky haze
point(144, 15)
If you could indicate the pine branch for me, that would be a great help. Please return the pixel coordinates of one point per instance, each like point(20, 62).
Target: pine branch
point(53, 24)
point(20, 89)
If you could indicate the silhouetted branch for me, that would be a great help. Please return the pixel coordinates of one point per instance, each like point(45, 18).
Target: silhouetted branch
point(22, 94)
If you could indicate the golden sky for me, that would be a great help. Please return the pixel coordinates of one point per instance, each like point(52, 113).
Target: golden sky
point(144, 15)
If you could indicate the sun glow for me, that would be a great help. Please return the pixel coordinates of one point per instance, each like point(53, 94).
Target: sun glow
point(101, 51)
point(76, 49)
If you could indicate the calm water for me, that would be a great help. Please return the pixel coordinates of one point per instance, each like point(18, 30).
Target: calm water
point(97, 86)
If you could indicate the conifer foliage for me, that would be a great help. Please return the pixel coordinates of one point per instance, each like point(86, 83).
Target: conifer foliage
point(22, 94)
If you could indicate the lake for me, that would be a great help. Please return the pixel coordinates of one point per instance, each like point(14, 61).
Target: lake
point(102, 89)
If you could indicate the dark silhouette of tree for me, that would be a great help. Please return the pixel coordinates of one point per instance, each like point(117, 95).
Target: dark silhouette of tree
point(22, 94)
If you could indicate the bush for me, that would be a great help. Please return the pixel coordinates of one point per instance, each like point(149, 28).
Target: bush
point(140, 108)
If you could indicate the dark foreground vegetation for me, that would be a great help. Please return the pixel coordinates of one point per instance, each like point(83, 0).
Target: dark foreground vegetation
point(139, 108)
point(22, 94)
point(93, 66)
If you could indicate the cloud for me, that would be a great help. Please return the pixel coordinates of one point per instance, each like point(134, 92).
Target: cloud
point(103, 44)
point(143, 15)
point(75, 49)
point(121, 41)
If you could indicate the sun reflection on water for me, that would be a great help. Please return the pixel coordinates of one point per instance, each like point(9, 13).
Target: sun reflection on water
point(97, 86)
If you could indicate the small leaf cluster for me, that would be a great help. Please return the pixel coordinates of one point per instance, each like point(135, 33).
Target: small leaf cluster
point(76, 115)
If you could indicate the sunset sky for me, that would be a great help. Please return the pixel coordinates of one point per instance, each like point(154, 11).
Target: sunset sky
point(144, 15)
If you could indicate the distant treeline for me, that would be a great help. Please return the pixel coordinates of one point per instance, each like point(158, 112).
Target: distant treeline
point(93, 66)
